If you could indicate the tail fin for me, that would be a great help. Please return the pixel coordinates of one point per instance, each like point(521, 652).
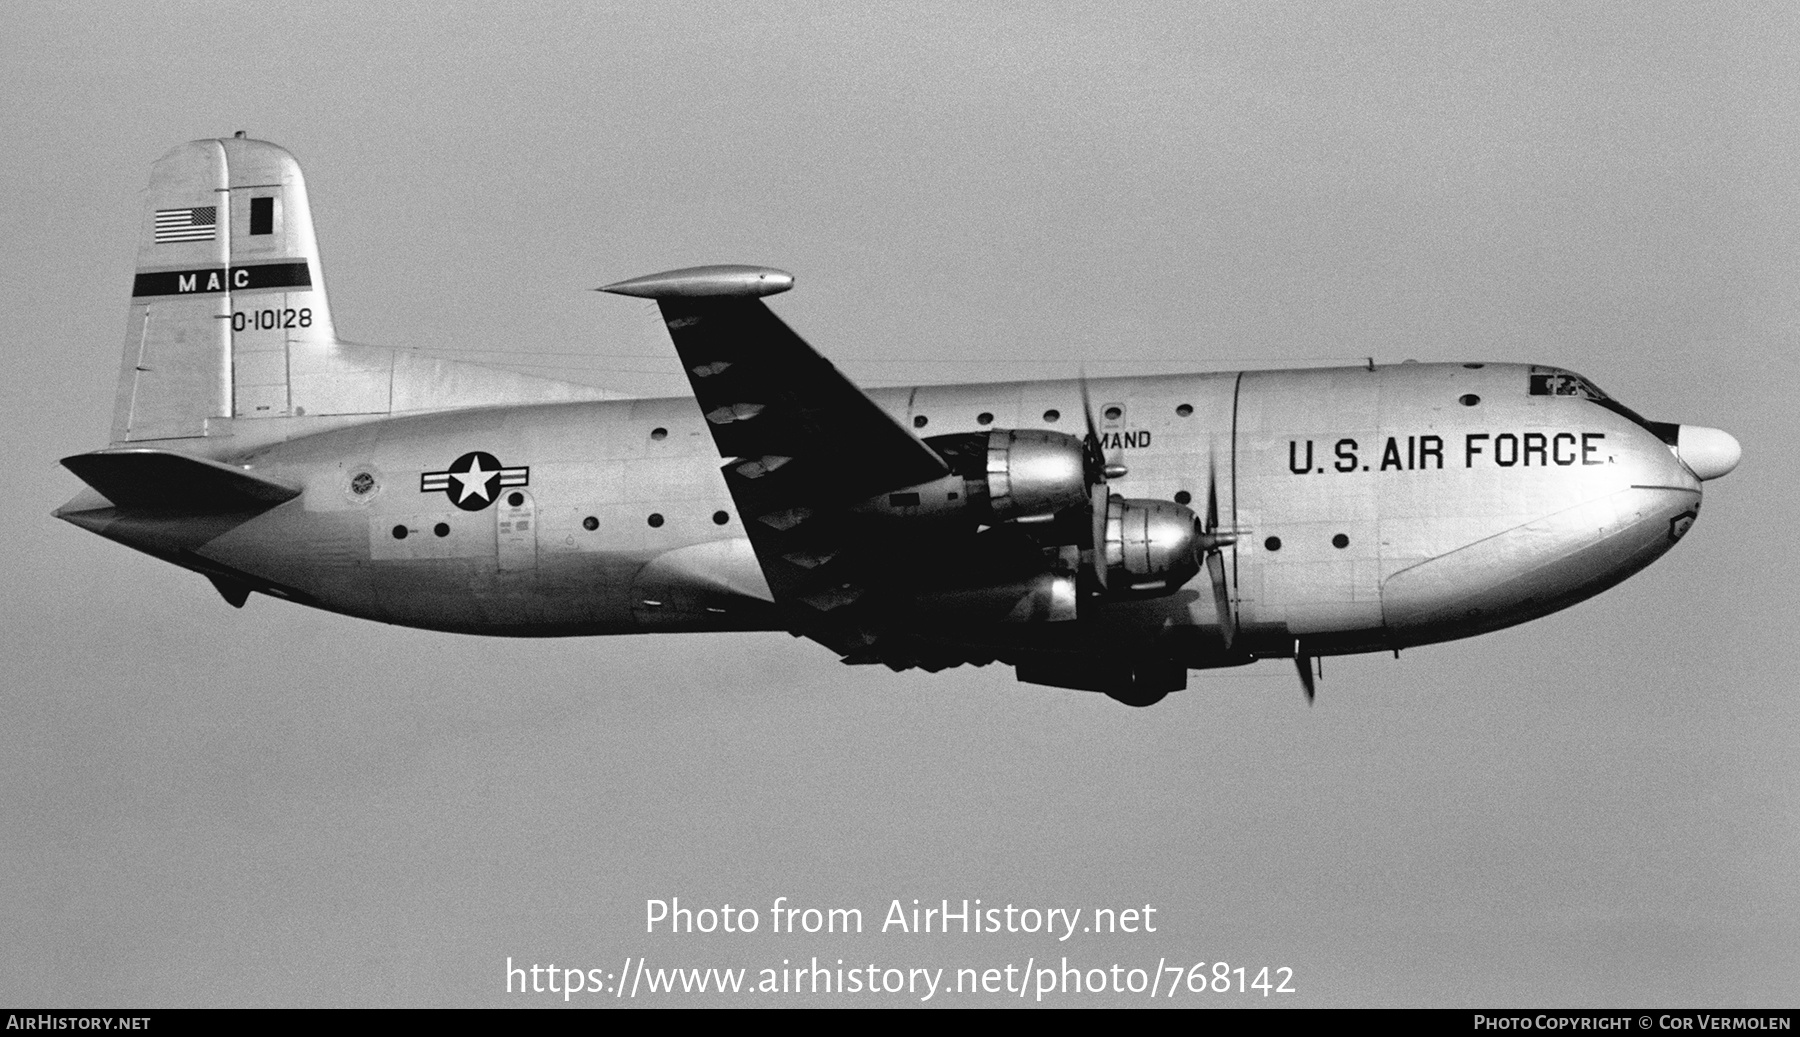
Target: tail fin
point(228, 294)
point(229, 319)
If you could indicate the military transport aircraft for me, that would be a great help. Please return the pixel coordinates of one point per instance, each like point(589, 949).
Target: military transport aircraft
point(1107, 535)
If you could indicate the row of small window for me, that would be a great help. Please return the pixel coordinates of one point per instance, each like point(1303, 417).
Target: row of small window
point(590, 523)
point(1274, 543)
point(655, 520)
point(1051, 417)
point(441, 529)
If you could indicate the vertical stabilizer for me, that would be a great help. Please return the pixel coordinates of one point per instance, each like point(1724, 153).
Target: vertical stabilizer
point(228, 307)
point(175, 372)
point(230, 330)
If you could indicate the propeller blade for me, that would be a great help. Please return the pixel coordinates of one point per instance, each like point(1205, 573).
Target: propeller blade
point(1305, 663)
point(1087, 405)
point(1099, 498)
point(1098, 502)
point(1212, 496)
point(1215, 544)
point(1098, 467)
point(1091, 449)
point(1215, 567)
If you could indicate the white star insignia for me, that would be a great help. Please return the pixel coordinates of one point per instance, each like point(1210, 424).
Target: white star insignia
point(474, 481)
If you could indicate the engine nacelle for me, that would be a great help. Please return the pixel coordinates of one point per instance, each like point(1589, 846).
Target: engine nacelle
point(1033, 474)
point(1045, 598)
point(1151, 547)
point(1002, 475)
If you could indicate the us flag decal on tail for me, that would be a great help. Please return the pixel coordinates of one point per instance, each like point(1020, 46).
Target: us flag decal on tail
point(196, 224)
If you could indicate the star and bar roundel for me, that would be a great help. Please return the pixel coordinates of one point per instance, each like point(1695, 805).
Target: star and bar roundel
point(474, 480)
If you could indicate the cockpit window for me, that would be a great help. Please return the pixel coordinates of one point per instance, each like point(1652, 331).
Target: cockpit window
point(1553, 381)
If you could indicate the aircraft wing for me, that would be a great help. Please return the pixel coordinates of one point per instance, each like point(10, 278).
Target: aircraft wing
point(803, 444)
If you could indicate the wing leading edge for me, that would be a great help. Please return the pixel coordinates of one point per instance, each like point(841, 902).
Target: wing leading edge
point(802, 443)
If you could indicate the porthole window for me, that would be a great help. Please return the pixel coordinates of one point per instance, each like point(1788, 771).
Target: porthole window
point(1186, 410)
point(590, 523)
point(441, 529)
point(1340, 541)
point(1272, 544)
point(656, 520)
point(399, 532)
point(720, 518)
point(920, 420)
point(515, 499)
point(1183, 496)
point(659, 434)
point(361, 483)
point(1114, 413)
point(984, 418)
point(1468, 399)
point(1051, 415)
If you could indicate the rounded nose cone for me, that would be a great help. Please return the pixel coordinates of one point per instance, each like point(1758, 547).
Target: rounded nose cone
point(1708, 452)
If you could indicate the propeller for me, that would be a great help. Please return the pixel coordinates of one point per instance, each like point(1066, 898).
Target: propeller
point(1305, 664)
point(1093, 457)
point(1099, 469)
point(1098, 502)
point(1212, 544)
point(1209, 541)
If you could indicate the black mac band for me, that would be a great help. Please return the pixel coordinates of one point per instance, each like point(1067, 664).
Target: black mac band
point(210, 280)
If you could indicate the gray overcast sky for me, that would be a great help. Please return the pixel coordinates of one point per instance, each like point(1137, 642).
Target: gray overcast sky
point(277, 806)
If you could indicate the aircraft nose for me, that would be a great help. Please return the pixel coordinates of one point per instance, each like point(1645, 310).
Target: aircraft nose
point(1708, 452)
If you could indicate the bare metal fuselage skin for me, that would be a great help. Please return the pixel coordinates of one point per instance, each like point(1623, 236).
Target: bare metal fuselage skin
point(1178, 522)
point(1374, 508)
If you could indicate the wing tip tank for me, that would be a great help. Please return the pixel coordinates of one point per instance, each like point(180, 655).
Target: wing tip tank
point(721, 281)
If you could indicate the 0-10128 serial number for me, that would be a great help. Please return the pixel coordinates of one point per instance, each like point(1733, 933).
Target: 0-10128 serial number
point(271, 320)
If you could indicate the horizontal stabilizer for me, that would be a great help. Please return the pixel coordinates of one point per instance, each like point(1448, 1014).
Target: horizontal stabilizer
point(147, 478)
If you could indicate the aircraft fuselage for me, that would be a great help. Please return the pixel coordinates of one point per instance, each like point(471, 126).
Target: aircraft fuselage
point(1373, 508)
